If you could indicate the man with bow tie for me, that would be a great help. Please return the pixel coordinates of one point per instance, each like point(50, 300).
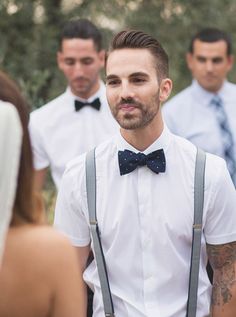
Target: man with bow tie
point(145, 200)
point(79, 119)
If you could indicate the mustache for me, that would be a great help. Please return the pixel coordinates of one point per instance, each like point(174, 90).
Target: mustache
point(129, 100)
point(80, 78)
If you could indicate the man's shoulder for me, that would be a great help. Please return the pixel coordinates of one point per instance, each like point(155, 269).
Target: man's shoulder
point(230, 88)
point(77, 165)
point(48, 108)
point(216, 173)
point(216, 168)
point(230, 84)
point(179, 98)
point(214, 162)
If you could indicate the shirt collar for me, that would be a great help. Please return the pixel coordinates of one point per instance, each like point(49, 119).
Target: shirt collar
point(160, 143)
point(204, 95)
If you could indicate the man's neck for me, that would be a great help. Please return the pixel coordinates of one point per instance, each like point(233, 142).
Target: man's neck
point(141, 139)
point(87, 95)
point(211, 91)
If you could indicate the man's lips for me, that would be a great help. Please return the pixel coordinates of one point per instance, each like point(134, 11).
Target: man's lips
point(127, 106)
point(210, 77)
point(80, 81)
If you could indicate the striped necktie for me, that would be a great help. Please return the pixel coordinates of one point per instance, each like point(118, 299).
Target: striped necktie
point(227, 138)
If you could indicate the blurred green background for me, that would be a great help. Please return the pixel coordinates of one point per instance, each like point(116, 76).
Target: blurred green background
point(29, 31)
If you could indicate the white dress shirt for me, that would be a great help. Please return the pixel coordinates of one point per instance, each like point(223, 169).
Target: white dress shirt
point(59, 133)
point(10, 150)
point(190, 115)
point(146, 221)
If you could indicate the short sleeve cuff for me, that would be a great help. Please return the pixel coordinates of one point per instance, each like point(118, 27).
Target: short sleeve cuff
point(78, 242)
point(222, 239)
point(40, 165)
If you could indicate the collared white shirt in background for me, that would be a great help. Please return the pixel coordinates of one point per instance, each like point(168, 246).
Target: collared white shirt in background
point(59, 133)
point(190, 115)
point(146, 221)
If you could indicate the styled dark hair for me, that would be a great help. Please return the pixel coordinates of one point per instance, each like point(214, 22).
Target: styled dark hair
point(139, 40)
point(24, 206)
point(211, 35)
point(82, 29)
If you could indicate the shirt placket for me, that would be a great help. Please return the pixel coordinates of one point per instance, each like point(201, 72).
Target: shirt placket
point(145, 215)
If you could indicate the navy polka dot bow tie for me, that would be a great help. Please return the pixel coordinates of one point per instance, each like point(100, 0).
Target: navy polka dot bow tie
point(128, 161)
point(96, 104)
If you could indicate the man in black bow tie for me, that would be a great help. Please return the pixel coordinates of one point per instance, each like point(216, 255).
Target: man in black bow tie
point(145, 200)
point(79, 119)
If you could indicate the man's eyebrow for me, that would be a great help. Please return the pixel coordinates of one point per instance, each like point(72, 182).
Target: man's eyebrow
point(212, 58)
point(141, 74)
point(111, 77)
point(137, 74)
point(86, 57)
point(201, 57)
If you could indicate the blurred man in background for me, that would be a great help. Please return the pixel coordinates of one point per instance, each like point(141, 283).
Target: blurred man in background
point(78, 119)
point(205, 112)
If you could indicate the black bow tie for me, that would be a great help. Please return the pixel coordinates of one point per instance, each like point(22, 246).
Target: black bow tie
point(96, 104)
point(128, 161)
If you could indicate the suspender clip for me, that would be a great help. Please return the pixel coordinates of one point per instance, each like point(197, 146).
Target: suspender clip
point(197, 226)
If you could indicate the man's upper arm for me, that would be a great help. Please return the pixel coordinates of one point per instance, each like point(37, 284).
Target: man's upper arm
point(37, 137)
point(70, 212)
point(83, 255)
point(39, 179)
point(223, 261)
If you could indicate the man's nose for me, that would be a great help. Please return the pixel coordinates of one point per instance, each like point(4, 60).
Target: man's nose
point(209, 66)
point(126, 91)
point(78, 69)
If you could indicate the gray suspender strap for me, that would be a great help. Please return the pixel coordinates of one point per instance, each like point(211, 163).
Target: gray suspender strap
point(197, 232)
point(196, 241)
point(101, 265)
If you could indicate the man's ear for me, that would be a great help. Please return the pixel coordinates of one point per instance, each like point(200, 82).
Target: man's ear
point(59, 59)
point(189, 60)
point(101, 55)
point(165, 89)
point(230, 62)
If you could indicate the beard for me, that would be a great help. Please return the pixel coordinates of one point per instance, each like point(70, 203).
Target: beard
point(139, 117)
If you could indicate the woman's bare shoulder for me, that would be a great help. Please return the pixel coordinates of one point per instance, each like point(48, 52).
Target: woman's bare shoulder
point(38, 241)
point(41, 256)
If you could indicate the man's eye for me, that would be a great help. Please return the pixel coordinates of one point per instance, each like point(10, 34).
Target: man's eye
point(138, 80)
point(201, 59)
point(69, 62)
point(112, 82)
point(217, 60)
point(87, 61)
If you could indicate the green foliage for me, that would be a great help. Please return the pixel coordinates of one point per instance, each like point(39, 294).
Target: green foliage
point(175, 22)
point(29, 31)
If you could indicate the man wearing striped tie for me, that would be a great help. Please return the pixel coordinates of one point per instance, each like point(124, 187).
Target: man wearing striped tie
point(205, 112)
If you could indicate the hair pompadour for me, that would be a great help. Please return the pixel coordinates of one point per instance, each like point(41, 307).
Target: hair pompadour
point(136, 39)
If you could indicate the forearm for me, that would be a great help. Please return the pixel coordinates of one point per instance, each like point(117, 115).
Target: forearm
point(223, 303)
point(83, 254)
point(85, 299)
point(223, 300)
